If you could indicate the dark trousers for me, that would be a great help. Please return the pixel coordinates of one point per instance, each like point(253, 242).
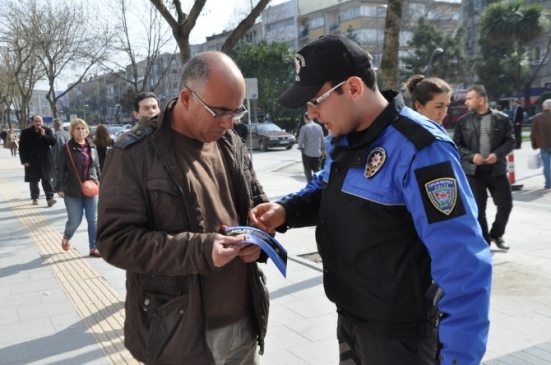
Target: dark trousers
point(359, 347)
point(518, 135)
point(47, 186)
point(311, 165)
point(500, 190)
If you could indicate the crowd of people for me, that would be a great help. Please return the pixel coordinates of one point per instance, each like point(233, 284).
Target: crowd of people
point(399, 209)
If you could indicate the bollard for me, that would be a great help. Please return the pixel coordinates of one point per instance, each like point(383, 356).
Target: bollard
point(511, 168)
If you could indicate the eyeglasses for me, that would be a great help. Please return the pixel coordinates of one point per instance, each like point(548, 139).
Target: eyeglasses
point(324, 96)
point(235, 116)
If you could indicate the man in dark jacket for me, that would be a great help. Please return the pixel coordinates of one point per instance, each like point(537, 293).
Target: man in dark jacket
point(194, 295)
point(518, 117)
point(35, 155)
point(484, 138)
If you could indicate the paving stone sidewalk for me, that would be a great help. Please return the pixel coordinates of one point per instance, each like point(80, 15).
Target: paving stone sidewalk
point(61, 307)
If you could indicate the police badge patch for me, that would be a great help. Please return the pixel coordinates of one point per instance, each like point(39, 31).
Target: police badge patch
point(442, 194)
point(375, 161)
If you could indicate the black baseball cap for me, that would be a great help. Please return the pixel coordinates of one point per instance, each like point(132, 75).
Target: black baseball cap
point(331, 57)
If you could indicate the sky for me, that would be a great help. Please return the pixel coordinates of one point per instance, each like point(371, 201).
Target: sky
point(219, 15)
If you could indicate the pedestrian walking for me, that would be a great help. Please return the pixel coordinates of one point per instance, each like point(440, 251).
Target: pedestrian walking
point(311, 144)
point(484, 138)
point(540, 136)
point(35, 155)
point(403, 257)
point(12, 141)
point(518, 118)
point(103, 142)
point(78, 161)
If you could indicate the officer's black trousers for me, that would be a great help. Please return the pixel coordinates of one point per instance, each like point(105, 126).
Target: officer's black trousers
point(359, 347)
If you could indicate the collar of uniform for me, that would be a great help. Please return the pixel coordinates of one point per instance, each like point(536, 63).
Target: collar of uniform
point(342, 144)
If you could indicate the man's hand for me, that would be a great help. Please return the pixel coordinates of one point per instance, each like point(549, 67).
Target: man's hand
point(268, 216)
point(61, 194)
point(42, 131)
point(491, 159)
point(226, 248)
point(26, 164)
point(249, 253)
point(478, 159)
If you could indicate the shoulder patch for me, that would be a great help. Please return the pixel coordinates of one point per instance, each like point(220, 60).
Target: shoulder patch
point(416, 133)
point(439, 192)
point(133, 136)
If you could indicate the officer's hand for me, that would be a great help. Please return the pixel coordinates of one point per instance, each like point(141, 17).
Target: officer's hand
point(26, 164)
point(268, 216)
point(249, 253)
point(478, 159)
point(225, 249)
point(61, 194)
point(491, 159)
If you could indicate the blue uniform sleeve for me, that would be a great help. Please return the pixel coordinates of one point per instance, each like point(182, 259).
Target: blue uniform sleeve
point(438, 196)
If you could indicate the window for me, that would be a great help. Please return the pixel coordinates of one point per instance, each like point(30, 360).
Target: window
point(316, 22)
point(415, 10)
point(280, 25)
point(536, 56)
point(367, 37)
point(368, 11)
point(405, 37)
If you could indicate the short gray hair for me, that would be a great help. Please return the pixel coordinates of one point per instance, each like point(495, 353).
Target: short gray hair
point(546, 104)
point(57, 122)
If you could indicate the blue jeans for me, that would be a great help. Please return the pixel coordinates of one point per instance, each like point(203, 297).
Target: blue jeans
point(75, 207)
point(546, 159)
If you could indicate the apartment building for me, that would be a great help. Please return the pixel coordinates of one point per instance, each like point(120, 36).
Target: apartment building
point(364, 20)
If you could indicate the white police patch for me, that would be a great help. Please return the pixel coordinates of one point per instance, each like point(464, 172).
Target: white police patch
point(442, 194)
point(375, 161)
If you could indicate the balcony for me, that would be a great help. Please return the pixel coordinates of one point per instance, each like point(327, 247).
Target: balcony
point(334, 27)
point(303, 33)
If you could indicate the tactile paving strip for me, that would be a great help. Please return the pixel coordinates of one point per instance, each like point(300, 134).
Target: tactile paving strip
point(97, 303)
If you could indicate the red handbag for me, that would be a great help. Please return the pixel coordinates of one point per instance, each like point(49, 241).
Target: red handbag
point(89, 187)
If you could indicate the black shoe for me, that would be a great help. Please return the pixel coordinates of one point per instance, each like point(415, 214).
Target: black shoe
point(500, 243)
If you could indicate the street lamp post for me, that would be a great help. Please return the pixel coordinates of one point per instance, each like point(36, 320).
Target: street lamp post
point(434, 55)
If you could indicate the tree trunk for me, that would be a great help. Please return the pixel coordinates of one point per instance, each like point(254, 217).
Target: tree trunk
point(389, 61)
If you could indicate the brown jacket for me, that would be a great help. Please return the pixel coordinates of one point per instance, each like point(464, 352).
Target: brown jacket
point(150, 224)
point(540, 134)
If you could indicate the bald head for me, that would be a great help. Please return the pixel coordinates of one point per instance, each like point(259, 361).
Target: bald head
point(207, 65)
point(212, 91)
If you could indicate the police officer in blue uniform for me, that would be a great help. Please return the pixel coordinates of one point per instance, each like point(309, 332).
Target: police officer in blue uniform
point(404, 258)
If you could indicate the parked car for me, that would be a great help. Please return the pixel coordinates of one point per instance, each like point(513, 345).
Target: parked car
point(454, 113)
point(115, 131)
point(269, 135)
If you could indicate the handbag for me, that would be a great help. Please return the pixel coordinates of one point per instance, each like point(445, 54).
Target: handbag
point(534, 160)
point(89, 187)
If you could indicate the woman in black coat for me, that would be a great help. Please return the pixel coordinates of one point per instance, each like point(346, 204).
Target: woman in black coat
point(86, 162)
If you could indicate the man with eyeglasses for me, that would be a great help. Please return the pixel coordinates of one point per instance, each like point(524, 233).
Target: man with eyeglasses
point(194, 296)
point(403, 255)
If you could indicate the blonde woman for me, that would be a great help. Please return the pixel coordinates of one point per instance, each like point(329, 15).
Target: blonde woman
point(86, 161)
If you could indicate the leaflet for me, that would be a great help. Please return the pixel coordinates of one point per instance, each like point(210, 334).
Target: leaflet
point(266, 242)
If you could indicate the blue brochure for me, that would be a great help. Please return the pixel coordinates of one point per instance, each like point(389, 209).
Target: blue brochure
point(266, 242)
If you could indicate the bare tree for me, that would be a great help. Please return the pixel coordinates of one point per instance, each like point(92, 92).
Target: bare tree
point(18, 56)
point(184, 23)
point(389, 62)
point(147, 44)
point(68, 37)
